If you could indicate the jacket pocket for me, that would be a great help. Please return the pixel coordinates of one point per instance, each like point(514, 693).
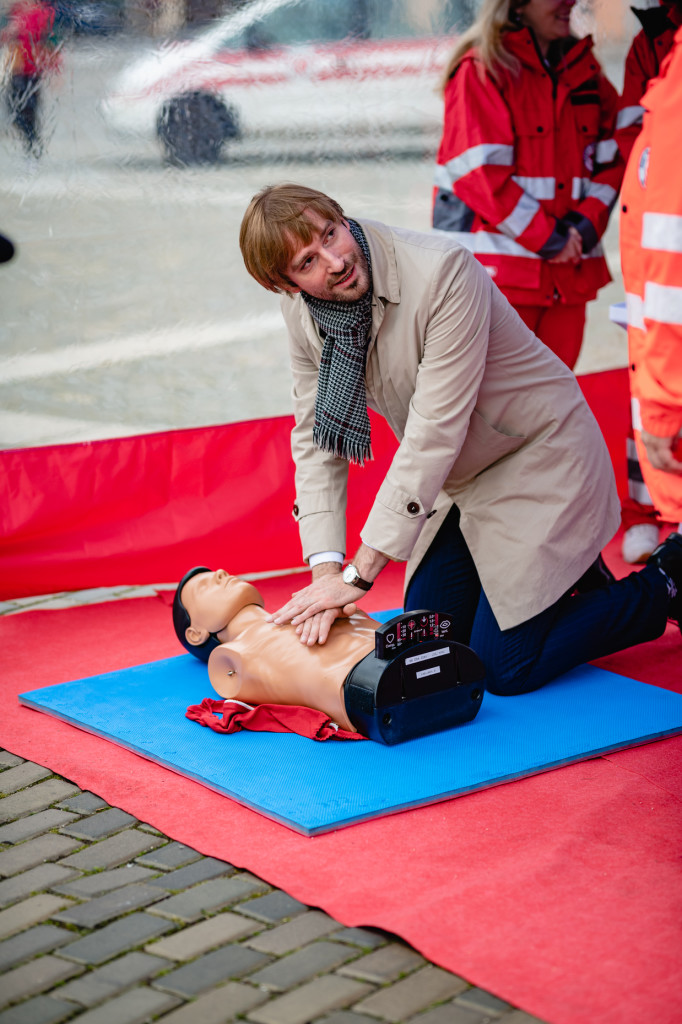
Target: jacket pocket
point(482, 448)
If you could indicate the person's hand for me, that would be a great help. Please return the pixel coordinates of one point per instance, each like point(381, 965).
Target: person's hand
point(323, 600)
point(661, 452)
point(572, 251)
point(315, 630)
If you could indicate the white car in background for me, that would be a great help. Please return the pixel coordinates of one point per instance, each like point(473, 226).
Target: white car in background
point(349, 72)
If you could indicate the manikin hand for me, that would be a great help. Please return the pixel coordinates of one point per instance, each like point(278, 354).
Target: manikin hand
point(572, 251)
point(662, 452)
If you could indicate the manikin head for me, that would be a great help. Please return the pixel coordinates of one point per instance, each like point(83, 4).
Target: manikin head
point(294, 238)
point(203, 606)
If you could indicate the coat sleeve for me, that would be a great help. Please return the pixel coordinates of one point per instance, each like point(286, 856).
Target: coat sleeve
point(661, 354)
point(599, 192)
point(476, 160)
point(636, 75)
point(446, 390)
point(321, 478)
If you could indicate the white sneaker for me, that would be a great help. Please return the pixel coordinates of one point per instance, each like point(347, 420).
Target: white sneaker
point(639, 542)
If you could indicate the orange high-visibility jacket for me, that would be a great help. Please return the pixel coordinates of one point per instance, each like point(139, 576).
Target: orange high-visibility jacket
point(642, 63)
point(522, 158)
point(651, 248)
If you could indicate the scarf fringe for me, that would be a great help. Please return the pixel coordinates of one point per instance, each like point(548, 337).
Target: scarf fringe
point(342, 447)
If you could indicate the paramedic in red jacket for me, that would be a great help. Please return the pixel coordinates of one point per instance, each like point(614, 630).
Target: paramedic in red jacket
point(528, 170)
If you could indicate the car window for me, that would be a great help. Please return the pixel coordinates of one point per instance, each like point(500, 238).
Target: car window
point(308, 21)
point(403, 19)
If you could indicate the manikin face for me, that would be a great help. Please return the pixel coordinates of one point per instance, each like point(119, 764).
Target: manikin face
point(210, 599)
point(549, 20)
point(332, 266)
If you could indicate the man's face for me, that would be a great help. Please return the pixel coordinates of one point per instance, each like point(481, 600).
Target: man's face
point(209, 598)
point(332, 266)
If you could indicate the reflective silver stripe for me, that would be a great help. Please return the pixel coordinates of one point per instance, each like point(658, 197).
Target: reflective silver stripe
point(606, 151)
point(441, 178)
point(577, 187)
point(629, 116)
point(538, 188)
point(488, 153)
point(635, 415)
point(520, 217)
point(663, 303)
point(604, 193)
point(635, 310)
point(630, 446)
point(489, 244)
point(662, 231)
point(639, 492)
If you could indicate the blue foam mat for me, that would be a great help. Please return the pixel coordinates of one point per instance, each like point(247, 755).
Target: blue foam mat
point(315, 787)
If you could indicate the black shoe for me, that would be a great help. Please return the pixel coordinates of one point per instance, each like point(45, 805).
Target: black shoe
point(668, 558)
point(597, 577)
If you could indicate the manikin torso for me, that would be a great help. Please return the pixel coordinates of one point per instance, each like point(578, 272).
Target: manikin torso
point(261, 663)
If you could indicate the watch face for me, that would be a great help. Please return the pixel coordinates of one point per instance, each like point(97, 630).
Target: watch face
point(350, 574)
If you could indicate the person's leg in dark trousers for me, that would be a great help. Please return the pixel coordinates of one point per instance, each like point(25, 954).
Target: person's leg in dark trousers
point(576, 629)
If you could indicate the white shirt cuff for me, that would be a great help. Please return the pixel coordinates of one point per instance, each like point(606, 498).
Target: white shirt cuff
point(324, 556)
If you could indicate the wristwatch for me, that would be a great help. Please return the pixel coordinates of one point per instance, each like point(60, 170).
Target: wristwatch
point(352, 576)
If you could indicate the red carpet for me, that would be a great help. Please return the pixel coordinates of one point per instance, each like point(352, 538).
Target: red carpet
point(560, 893)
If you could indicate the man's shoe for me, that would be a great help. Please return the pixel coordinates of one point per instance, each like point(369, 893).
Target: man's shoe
point(597, 577)
point(639, 543)
point(668, 558)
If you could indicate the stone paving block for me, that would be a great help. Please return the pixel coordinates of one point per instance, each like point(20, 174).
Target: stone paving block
point(480, 1001)
point(385, 964)
point(35, 798)
point(199, 938)
point(301, 966)
point(41, 939)
point(105, 908)
point(219, 1006)
point(110, 853)
point(192, 874)
point(520, 1017)
point(299, 932)
point(172, 855)
point(272, 908)
point(100, 825)
point(34, 880)
point(450, 1013)
point(83, 803)
point(118, 937)
point(133, 1007)
point(310, 1001)
point(150, 828)
point(23, 775)
point(34, 825)
point(191, 979)
point(207, 897)
point(32, 978)
point(412, 994)
point(360, 937)
point(36, 851)
point(8, 760)
point(105, 982)
point(348, 1017)
point(31, 911)
point(41, 1010)
point(104, 881)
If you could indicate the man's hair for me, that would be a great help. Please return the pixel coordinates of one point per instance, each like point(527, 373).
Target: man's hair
point(274, 223)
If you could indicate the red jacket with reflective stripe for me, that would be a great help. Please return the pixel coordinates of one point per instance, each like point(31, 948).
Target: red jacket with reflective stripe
point(642, 63)
point(651, 251)
point(522, 158)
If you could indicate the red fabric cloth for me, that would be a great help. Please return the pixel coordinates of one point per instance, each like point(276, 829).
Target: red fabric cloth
point(236, 715)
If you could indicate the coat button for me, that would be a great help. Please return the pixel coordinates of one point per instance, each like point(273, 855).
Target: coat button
point(295, 510)
point(413, 508)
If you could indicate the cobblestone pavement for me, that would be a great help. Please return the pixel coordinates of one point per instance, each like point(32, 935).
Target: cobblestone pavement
point(104, 919)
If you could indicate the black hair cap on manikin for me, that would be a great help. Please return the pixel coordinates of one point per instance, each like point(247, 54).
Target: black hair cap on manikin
point(181, 620)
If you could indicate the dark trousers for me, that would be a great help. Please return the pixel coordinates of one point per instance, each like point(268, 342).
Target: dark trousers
point(578, 628)
point(24, 100)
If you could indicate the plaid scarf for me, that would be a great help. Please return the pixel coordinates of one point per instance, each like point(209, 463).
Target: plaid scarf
point(341, 420)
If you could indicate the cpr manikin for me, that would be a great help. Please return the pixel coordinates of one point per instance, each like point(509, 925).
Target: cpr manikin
point(257, 662)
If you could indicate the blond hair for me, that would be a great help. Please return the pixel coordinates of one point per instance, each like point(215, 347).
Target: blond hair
point(486, 35)
point(274, 223)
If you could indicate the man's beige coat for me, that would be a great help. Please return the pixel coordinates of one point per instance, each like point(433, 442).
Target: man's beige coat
point(487, 418)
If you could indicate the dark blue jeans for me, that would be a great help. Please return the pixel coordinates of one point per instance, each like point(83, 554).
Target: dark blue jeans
point(578, 628)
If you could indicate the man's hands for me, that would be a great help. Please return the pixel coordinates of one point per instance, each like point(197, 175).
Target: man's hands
point(663, 452)
point(572, 251)
point(316, 607)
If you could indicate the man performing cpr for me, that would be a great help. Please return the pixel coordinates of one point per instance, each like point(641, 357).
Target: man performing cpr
point(501, 494)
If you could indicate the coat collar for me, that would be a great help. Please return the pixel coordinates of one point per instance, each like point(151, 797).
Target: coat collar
point(521, 43)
